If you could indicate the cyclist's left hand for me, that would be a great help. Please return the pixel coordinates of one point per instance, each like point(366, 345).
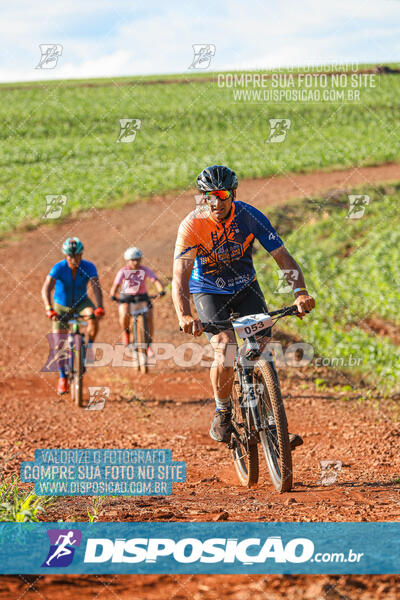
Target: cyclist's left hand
point(304, 303)
point(99, 312)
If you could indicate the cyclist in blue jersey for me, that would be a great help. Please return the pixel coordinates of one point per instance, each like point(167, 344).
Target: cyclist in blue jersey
point(213, 263)
point(69, 278)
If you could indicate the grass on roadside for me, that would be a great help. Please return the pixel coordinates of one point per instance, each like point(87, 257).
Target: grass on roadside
point(60, 140)
point(19, 506)
point(352, 267)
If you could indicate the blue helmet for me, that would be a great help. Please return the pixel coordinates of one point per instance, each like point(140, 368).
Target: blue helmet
point(72, 246)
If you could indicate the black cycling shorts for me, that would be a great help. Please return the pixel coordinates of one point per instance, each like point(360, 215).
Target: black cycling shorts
point(218, 307)
point(131, 298)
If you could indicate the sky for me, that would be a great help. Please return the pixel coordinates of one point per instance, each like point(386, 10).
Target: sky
point(103, 38)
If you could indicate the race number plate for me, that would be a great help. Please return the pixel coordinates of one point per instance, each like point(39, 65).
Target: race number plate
point(251, 324)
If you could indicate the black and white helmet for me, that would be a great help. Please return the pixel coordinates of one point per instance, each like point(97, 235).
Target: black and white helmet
point(216, 177)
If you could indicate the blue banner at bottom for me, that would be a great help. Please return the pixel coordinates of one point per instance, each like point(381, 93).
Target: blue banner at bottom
point(193, 548)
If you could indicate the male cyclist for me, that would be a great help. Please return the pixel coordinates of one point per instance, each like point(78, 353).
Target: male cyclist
point(213, 262)
point(132, 280)
point(69, 279)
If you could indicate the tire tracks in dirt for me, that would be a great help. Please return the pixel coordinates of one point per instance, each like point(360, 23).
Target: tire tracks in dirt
point(172, 408)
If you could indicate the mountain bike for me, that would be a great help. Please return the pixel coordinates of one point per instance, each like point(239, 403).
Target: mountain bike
point(76, 355)
point(258, 412)
point(138, 309)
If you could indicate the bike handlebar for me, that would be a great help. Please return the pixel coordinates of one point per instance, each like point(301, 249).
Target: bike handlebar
point(217, 326)
point(67, 318)
point(285, 311)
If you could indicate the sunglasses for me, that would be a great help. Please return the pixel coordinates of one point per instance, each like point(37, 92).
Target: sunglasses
point(221, 194)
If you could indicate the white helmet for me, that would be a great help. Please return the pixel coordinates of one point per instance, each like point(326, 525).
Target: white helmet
point(132, 253)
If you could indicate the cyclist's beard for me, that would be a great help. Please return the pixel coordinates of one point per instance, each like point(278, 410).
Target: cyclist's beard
point(221, 214)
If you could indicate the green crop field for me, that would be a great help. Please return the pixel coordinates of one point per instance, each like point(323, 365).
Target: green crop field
point(60, 139)
point(352, 266)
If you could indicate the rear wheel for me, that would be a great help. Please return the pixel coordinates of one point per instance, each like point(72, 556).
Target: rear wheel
point(274, 436)
point(243, 441)
point(142, 342)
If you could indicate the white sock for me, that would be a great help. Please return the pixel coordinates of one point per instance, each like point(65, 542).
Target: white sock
point(222, 403)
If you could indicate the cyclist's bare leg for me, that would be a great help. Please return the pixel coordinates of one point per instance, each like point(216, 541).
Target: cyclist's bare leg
point(92, 323)
point(124, 317)
point(221, 372)
point(150, 321)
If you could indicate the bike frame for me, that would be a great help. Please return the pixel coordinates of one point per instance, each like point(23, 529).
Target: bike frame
point(74, 329)
point(245, 374)
point(250, 352)
point(135, 314)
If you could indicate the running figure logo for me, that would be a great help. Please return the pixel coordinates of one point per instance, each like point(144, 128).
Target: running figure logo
point(98, 396)
point(330, 470)
point(62, 547)
point(50, 54)
point(203, 54)
point(59, 353)
point(278, 130)
point(287, 281)
point(54, 206)
point(357, 204)
point(128, 129)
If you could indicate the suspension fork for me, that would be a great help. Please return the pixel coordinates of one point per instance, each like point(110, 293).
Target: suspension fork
point(251, 398)
point(70, 352)
point(71, 345)
point(146, 329)
point(134, 327)
point(252, 351)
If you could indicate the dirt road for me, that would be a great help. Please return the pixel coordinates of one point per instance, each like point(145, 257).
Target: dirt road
point(171, 408)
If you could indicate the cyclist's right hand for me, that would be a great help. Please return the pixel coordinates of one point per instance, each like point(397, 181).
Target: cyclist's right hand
point(51, 313)
point(189, 324)
point(114, 298)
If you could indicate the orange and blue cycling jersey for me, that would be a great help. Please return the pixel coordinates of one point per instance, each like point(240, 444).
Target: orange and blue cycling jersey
point(222, 251)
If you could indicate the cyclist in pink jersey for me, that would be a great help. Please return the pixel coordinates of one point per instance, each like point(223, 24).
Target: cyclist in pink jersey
point(131, 280)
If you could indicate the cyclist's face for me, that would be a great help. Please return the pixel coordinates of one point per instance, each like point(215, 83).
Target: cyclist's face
point(220, 208)
point(74, 261)
point(134, 264)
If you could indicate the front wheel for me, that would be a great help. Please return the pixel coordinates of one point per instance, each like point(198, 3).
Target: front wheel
point(243, 442)
point(76, 373)
point(142, 340)
point(274, 435)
